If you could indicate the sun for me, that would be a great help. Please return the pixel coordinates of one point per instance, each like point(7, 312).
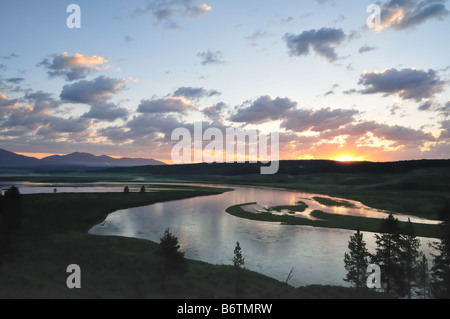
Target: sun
point(346, 158)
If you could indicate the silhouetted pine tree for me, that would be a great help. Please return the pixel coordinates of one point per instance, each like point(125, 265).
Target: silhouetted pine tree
point(388, 254)
point(440, 272)
point(10, 220)
point(238, 262)
point(142, 189)
point(172, 260)
point(357, 260)
point(2, 231)
point(409, 254)
point(422, 277)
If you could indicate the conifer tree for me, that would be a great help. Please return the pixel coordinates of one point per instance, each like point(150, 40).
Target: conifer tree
point(409, 255)
point(2, 231)
point(238, 260)
point(10, 221)
point(357, 260)
point(440, 271)
point(388, 254)
point(172, 260)
point(422, 277)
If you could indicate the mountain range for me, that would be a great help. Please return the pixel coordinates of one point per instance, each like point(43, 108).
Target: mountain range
point(10, 159)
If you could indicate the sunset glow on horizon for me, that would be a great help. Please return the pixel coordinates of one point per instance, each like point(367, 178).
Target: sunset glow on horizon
point(345, 158)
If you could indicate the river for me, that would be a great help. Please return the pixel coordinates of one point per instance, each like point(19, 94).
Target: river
point(207, 233)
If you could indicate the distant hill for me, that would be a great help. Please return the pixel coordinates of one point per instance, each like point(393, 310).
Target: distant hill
point(10, 159)
point(86, 159)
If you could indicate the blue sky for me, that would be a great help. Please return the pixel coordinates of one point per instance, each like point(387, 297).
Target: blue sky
point(312, 70)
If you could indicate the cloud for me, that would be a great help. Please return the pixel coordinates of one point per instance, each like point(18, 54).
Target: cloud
point(6, 105)
point(444, 110)
point(15, 80)
point(70, 125)
point(208, 57)
point(365, 133)
point(165, 105)
point(74, 67)
point(407, 14)
point(150, 128)
point(427, 106)
point(106, 112)
point(11, 56)
point(409, 84)
point(323, 42)
point(32, 119)
point(257, 35)
point(365, 49)
point(325, 1)
point(445, 134)
point(167, 11)
point(264, 109)
point(214, 112)
point(332, 90)
point(402, 136)
point(42, 101)
point(301, 120)
point(194, 93)
point(96, 93)
point(88, 92)
point(195, 11)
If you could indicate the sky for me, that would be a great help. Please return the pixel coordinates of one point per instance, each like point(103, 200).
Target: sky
point(334, 78)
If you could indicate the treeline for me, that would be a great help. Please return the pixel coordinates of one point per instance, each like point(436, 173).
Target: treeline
point(405, 270)
point(10, 220)
point(286, 167)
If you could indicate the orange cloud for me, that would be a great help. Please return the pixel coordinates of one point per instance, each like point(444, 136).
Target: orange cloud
point(74, 67)
point(395, 18)
point(84, 60)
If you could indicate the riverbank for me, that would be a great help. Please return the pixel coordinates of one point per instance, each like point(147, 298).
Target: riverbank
point(54, 235)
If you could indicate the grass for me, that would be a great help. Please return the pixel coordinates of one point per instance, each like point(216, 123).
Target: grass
point(266, 216)
point(299, 207)
point(330, 221)
point(332, 202)
point(54, 235)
